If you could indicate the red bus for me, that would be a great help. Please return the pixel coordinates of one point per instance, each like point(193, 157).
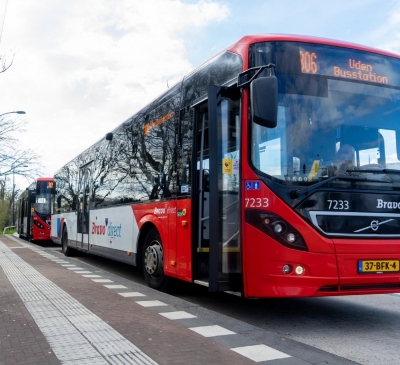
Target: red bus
point(236, 177)
point(34, 208)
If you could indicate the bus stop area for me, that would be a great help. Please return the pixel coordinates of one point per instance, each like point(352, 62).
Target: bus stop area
point(56, 310)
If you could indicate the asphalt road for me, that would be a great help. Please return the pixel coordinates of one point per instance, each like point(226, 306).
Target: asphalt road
point(364, 329)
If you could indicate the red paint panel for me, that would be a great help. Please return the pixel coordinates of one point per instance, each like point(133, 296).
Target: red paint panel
point(41, 179)
point(350, 251)
point(264, 259)
point(348, 269)
point(167, 217)
point(265, 199)
point(184, 239)
point(170, 266)
point(158, 214)
point(40, 234)
point(375, 246)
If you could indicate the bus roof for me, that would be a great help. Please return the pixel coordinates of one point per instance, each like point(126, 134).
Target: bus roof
point(250, 39)
point(40, 179)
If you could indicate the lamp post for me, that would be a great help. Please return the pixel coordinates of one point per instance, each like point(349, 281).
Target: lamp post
point(12, 165)
point(16, 112)
point(13, 198)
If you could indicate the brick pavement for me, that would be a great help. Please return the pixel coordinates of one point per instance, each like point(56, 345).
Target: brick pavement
point(21, 341)
point(165, 341)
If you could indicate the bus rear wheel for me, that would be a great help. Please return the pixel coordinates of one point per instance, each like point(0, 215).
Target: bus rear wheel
point(153, 261)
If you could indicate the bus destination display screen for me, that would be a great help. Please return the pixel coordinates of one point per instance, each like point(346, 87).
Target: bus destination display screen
point(349, 64)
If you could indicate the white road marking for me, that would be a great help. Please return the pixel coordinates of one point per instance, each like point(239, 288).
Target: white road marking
point(151, 303)
point(132, 294)
point(91, 276)
point(260, 353)
point(178, 315)
point(116, 286)
point(211, 331)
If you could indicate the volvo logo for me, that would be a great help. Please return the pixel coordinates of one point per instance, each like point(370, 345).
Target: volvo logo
point(374, 225)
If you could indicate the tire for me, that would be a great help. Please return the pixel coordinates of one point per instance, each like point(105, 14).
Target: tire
point(153, 261)
point(68, 251)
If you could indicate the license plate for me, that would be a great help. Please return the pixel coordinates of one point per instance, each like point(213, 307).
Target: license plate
point(366, 266)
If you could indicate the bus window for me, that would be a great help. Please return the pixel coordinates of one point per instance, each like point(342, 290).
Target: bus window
point(269, 152)
point(391, 154)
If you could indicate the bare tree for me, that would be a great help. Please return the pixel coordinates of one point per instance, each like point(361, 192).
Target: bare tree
point(13, 158)
point(6, 61)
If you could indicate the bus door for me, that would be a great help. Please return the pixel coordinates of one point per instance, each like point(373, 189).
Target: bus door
point(201, 211)
point(83, 209)
point(218, 187)
point(21, 216)
point(28, 214)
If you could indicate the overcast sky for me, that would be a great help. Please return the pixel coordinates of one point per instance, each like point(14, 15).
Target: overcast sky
point(81, 68)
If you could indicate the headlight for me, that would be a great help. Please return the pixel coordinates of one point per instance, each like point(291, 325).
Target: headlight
point(276, 227)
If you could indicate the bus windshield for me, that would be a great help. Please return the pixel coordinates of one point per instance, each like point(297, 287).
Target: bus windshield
point(338, 114)
point(43, 198)
point(43, 205)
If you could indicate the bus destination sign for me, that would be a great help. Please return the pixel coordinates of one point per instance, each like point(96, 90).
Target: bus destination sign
point(348, 64)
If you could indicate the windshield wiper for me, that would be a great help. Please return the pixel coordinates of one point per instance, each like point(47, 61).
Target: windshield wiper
point(296, 193)
point(378, 171)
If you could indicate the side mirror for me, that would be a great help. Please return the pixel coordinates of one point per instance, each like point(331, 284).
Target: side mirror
point(264, 101)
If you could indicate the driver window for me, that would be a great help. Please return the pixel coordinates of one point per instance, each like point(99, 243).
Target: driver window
point(269, 150)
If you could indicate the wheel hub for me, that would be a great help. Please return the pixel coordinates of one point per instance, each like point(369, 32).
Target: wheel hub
point(154, 259)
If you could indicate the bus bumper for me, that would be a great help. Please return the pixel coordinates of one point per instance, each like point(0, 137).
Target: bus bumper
point(322, 274)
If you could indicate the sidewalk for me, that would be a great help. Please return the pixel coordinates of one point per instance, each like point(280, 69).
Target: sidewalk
point(51, 315)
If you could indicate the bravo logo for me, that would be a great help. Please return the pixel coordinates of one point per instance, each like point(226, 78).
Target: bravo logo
point(389, 205)
point(99, 230)
point(108, 227)
point(159, 210)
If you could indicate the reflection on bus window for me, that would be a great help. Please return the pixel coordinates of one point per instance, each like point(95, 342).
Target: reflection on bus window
point(312, 128)
point(43, 205)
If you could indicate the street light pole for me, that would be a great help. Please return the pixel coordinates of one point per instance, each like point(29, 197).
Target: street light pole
point(12, 167)
point(13, 191)
point(16, 112)
point(13, 198)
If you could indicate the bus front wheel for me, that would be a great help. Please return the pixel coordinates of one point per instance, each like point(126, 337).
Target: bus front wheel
point(153, 261)
point(67, 250)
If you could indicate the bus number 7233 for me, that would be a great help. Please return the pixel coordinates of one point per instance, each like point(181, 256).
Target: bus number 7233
point(256, 202)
